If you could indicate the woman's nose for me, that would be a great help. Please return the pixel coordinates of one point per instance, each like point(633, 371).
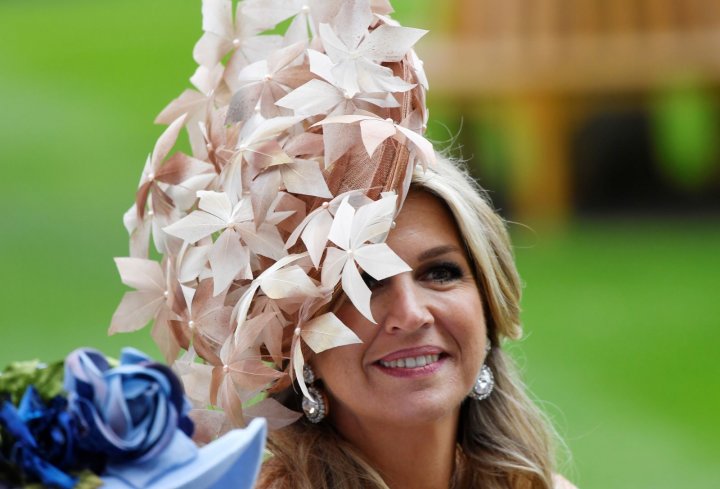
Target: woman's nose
point(404, 306)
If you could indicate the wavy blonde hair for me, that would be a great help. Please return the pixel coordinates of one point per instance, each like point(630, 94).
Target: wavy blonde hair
point(504, 441)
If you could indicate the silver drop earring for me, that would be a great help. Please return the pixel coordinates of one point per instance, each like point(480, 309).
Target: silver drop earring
point(485, 381)
point(315, 409)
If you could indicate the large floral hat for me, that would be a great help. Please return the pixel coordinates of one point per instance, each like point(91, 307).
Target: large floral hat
point(306, 123)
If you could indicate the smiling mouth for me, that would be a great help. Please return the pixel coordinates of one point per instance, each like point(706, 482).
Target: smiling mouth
point(410, 362)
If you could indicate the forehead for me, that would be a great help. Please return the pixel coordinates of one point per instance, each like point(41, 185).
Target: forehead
point(423, 222)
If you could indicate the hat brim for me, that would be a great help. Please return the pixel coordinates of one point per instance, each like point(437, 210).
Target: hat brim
point(232, 460)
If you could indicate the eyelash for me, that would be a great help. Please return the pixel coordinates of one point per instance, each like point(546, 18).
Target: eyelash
point(451, 271)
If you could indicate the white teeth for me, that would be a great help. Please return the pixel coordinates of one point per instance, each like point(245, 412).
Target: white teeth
point(411, 362)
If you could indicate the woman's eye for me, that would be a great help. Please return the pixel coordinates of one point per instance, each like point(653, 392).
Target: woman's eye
point(445, 272)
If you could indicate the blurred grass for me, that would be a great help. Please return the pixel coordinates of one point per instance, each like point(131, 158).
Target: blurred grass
point(622, 318)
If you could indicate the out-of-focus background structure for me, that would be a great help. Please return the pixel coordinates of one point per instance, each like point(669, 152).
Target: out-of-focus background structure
point(593, 123)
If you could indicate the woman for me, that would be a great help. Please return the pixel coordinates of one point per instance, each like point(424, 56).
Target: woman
point(391, 424)
point(305, 146)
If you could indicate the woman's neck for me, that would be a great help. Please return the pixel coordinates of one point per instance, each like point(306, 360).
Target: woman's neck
point(411, 456)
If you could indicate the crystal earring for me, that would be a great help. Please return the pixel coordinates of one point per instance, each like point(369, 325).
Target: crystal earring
point(316, 407)
point(485, 381)
point(483, 385)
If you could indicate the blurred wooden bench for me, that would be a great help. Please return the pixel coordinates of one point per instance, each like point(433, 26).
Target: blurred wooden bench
point(532, 56)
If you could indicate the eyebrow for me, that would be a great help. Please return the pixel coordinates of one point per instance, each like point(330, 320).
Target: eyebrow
point(437, 251)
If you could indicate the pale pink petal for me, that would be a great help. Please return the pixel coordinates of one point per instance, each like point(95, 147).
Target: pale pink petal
point(381, 7)
point(277, 415)
point(247, 336)
point(426, 148)
point(305, 177)
point(352, 21)
point(195, 226)
point(263, 190)
point(373, 77)
point(136, 309)
point(210, 49)
point(321, 65)
point(141, 274)
point(356, 290)
point(271, 337)
point(374, 132)
point(188, 101)
point(196, 378)
point(265, 240)
point(380, 261)
point(298, 362)
point(228, 257)
point(244, 101)
point(217, 17)
point(271, 12)
point(216, 203)
point(390, 43)
point(291, 281)
point(315, 236)
point(327, 331)
point(166, 141)
point(342, 225)
point(373, 220)
point(334, 47)
point(252, 374)
point(314, 97)
point(209, 425)
point(332, 267)
point(193, 262)
point(163, 337)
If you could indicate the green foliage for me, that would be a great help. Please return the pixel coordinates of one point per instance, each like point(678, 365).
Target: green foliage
point(18, 376)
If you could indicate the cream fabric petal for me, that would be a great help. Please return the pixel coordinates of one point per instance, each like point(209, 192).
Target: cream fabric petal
point(342, 225)
point(321, 65)
point(298, 362)
point(215, 203)
point(314, 97)
point(265, 240)
point(277, 415)
point(424, 146)
point(374, 132)
point(373, 219)
point(327, 331)
point(389, 43)
point(356, 290)
point(217, 17)
point(332, 267)
point(380, 261)
point(228, 257)
point(195, 226)
point(141, 274)
point(315, 236)
point(136, 309)
point(166, 141)
point(305, 177)
point(288, 282)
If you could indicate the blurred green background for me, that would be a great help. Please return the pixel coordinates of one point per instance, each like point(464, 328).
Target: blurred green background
point(621, 311)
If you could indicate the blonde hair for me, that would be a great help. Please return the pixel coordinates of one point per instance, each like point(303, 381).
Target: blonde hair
point(504, 441)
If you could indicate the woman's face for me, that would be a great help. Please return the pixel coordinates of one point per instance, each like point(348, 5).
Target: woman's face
point(421, 359)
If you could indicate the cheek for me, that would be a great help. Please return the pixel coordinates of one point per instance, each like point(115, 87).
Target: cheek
point(336, 364)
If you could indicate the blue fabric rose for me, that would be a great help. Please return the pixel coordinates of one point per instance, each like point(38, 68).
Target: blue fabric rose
point(127, 413)
point(42, 438)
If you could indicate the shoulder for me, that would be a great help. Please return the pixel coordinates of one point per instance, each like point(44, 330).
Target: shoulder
point(560, 482)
